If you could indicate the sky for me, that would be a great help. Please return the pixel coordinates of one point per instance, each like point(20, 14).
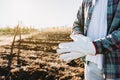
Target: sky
point(38, 13)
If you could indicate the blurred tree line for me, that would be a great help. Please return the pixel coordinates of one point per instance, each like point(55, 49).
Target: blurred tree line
point(10, 31)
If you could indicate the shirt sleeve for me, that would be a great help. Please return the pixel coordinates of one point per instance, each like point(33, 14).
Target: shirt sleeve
point(78, 25)
point(111, 41)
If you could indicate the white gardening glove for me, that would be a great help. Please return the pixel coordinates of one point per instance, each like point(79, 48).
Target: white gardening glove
point(81, 45)
point(70, 56)
point(75, 37)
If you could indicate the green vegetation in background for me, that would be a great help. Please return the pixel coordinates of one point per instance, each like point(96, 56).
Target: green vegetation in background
point(10, 31)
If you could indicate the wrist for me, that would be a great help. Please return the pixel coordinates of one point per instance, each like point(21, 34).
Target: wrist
point(96, 51)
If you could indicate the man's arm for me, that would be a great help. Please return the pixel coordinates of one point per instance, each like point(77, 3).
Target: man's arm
point(112, 41)
point(109, 43)
point(78, 25)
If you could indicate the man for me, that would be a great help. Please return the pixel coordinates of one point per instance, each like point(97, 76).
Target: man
point(96, 35)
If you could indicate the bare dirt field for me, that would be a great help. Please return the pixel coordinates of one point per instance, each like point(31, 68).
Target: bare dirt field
point(36, 59)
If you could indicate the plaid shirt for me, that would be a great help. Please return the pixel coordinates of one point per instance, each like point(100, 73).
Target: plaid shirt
point(109, 45)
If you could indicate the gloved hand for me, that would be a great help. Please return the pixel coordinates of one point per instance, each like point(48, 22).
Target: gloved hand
point(80, 47)
point(70, 56)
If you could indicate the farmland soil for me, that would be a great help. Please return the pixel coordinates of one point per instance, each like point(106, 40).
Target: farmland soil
point(38, 59)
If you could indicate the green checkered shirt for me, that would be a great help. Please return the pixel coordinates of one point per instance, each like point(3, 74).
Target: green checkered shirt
point(109, 45)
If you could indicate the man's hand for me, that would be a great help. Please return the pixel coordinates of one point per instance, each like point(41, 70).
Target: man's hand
point(80, 47)
point(70, 56)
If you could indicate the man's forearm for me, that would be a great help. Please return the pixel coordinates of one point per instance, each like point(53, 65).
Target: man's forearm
point(109, 42)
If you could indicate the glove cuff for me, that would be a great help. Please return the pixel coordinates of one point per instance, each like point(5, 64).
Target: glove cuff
point(92, 49)
point(96, 51)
